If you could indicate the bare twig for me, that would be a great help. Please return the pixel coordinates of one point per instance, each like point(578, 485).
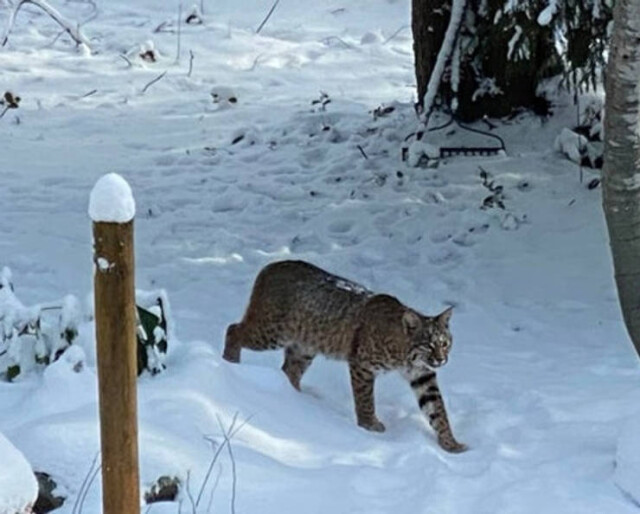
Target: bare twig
point(4, 111)
point(125, 58)
point(212, 463)
point(213, 489)
point(364, 154)
point(179, 31)
point(90, 93)
point(159, 77)
point(191, 56)
point(70, 28)
point(233, 461)
point(264, 22)
point(84, 483)
point(256, 61)
point(392, 36)
point(228, 435)
point(189, 495)
point(163, 28)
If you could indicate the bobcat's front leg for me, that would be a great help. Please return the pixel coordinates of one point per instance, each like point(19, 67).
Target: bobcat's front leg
point(426, 389)
point(362, 380)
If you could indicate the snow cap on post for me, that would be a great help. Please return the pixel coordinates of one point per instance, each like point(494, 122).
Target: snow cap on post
point(111, 200)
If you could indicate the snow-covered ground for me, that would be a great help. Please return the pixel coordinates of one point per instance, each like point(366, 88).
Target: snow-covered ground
point(18, 485)
point(542, 378)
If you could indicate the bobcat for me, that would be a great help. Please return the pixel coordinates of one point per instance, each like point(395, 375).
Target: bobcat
point(308, 311)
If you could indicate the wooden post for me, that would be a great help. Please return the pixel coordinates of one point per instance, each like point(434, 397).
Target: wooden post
point(115, 317)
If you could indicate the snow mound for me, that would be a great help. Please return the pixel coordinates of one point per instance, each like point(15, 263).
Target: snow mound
point(18, 485)
point(111, 200)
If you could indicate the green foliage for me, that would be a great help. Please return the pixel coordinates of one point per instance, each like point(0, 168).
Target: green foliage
point(514, 45)
point(37, 336)
point(13, 371)
point(152, 337)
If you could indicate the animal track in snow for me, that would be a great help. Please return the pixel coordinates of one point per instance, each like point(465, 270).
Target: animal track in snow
point(444, 256)
point(340, 226)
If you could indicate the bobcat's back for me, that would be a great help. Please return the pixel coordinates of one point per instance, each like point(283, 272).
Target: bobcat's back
point(298, 302)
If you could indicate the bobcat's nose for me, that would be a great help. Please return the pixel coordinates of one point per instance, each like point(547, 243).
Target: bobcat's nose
point(436, 362)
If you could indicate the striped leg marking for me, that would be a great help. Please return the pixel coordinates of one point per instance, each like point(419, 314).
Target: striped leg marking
point(425, 387)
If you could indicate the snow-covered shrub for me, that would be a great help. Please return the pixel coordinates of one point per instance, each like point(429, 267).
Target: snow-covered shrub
point(39, 335)
point(33, 335)
point(583, 144)
point(153, 330)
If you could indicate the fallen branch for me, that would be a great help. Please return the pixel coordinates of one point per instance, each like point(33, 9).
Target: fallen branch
point(68, 26)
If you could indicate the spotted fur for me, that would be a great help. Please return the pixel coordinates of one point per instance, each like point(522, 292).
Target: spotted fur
point(308, 311)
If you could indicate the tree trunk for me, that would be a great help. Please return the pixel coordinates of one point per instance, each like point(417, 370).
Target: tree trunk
point(621, 172)
point(429, 20)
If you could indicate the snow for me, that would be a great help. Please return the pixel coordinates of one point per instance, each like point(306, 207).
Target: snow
point(547, 14)
point(18, 484)
point(571, 144)
point(111, 200)
point(627, 468)
point(541, 380)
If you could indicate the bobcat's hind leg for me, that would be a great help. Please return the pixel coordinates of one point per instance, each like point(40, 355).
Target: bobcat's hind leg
point(240, 335)
point(295, 364)
point(232, 343)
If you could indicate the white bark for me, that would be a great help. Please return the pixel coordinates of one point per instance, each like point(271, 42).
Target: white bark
point(621, 172)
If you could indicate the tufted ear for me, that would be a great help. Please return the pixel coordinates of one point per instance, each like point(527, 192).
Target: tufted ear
point(410, 322)
point(445, 316)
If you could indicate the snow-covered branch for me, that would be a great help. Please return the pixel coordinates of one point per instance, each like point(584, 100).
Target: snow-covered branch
point(70, 27)
point(446, 50)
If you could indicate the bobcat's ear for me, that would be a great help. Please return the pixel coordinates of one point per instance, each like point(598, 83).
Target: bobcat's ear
point(445, 316)
point(410, 322)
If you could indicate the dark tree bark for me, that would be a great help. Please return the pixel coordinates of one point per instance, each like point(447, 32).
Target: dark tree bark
point(429, 20)
point(487, 54)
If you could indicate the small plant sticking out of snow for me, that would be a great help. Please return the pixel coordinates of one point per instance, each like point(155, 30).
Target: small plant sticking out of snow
point(9, 101)
point(152, 331)
point(47, 500)
point(165, 489)
point(224, 96)
point(320, 103)
point(381, 111)
point(194, 17)
point(496, 198)
point(583, 144)
point(146, 52)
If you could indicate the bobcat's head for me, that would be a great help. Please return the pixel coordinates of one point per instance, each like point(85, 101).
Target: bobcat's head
point(430, 338)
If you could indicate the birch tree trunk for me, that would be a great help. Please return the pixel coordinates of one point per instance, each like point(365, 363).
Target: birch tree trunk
point(621, 173)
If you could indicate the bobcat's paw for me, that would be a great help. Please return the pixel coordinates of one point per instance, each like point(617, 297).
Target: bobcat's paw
point(452, 446)
point(231, 355)
point(373, 425)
